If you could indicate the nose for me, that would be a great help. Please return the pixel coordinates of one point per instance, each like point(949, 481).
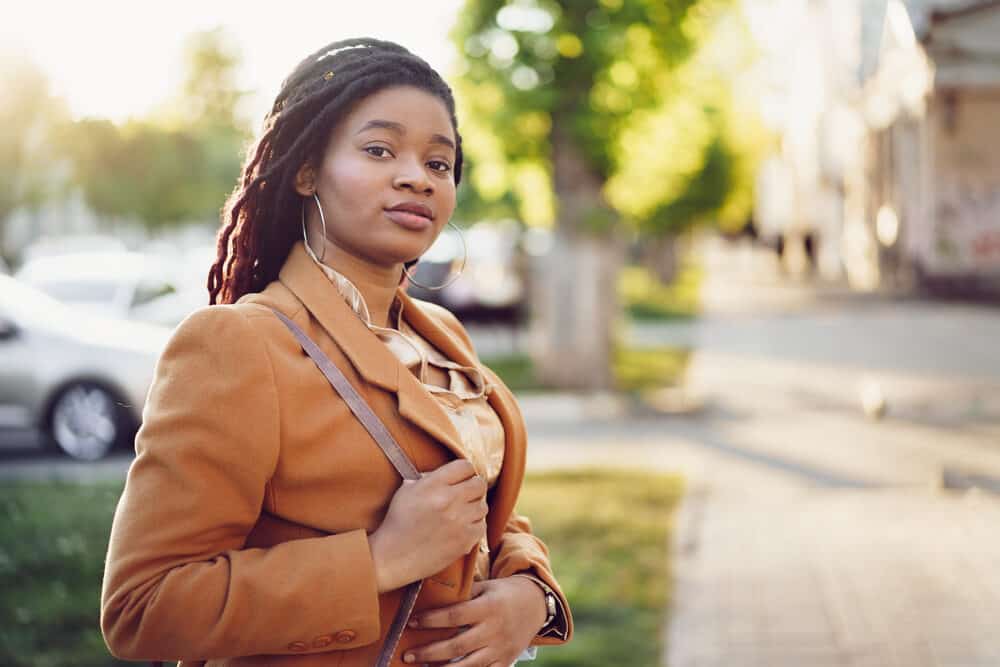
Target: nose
point(412, 176)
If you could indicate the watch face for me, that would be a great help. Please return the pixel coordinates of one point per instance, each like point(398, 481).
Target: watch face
point(550, 605)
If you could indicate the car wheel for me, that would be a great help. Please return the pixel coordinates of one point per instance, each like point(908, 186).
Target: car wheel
point(86, 421)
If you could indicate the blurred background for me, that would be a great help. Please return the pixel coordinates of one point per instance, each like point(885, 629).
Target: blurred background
point(739, 259)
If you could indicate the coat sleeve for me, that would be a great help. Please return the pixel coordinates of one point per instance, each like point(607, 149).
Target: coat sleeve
point(178, 582)
point(521, 551)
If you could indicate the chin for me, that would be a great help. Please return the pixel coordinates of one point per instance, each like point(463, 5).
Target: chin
point(399, 257)
point(407, 252)
point(390, 247)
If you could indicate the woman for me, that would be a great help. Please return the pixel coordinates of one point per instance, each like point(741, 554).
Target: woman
point(261, 524)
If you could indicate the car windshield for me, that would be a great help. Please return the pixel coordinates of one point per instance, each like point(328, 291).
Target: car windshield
point(88, 291)
point(27, 304)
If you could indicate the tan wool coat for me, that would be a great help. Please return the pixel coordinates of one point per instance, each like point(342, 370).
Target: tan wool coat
point(242, 535)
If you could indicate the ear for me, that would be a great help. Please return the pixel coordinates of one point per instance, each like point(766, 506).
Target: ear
point(305, 179)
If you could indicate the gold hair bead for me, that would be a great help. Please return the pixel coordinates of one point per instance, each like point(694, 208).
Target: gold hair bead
point(328, 76)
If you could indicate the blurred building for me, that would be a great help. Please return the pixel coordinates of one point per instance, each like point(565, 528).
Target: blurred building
point(888, 172)
point(934, 177)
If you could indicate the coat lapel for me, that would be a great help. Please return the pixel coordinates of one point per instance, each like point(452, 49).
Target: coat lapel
point(369, 355)
point(438, 335)
point(415, 402)
point(515, 450)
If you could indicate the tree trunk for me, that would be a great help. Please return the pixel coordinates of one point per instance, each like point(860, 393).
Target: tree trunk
point(576, 309)
point(659, 255)
point(575, 297)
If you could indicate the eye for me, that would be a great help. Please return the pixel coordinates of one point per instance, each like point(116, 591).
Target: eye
point(369, 149)
point(442, 166)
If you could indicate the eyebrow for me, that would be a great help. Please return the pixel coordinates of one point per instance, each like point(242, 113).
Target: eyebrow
point(398, 128)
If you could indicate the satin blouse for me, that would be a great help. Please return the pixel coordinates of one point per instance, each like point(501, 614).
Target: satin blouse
point(480, 431)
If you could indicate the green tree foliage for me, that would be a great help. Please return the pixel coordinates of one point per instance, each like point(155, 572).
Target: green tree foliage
point(643, 88)
point(535, 68)
point(28, 117)
point(210, 94)
point(692, 158)
point(142, 171)
point(176, 166)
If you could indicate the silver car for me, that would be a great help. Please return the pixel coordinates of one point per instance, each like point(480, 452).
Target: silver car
point(79, 379)
point(108, 284)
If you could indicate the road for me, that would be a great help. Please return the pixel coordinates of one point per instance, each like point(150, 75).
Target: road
point(781, 374)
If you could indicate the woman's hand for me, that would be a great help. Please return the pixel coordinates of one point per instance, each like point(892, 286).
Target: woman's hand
point(431, 522)
point(502, 618)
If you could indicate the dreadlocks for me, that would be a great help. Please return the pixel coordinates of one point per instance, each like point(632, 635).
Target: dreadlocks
point(260, 219)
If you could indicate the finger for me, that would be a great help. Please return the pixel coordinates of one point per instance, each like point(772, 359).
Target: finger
point(478, 588)
point(462, 644)
point(475, 519)
point(477, 532)
point(480, 658)
point(471, 489)
point(455, 471)
point(469, 612)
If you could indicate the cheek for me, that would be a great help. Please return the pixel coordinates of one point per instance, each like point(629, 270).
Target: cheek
point(448, 200)
point(350, 182)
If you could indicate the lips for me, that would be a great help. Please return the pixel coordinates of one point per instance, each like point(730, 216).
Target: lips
point(411, 215)
point(414, 208)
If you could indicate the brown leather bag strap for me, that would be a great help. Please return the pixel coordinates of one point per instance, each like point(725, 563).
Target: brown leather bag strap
point(393, 452)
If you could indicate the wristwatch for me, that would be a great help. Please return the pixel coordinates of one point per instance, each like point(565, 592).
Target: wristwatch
point(551, 606)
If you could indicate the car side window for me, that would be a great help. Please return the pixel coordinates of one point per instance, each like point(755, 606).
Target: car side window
point(147, 291)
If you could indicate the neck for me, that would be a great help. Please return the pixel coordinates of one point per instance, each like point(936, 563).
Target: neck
point(376, 283)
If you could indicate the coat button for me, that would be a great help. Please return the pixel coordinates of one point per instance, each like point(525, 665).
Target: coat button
point(322, 641)
point(346, 636)
point(297, 646)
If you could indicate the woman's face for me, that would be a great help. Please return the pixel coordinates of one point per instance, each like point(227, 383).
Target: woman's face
point(394, 150)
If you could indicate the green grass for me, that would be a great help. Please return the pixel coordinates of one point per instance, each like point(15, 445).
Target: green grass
point(640, 369)
point(646, 298)
point(53, 538)
point(516, 371)
point(608, 534)
point(636, 369)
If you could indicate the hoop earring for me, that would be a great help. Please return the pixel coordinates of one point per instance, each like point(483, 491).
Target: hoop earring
point(322, 219)
point(454, 277)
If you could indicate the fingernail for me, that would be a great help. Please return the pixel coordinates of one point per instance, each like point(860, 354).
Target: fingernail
point(414, 623)
point(408, 657)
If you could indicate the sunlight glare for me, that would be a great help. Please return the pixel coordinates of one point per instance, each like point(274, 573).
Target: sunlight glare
point(116, 59)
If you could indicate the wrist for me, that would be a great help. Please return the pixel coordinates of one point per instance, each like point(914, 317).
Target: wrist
point(538, 609)
point(387, 575)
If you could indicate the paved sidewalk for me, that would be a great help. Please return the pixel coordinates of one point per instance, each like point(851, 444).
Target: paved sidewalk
point(846, 578)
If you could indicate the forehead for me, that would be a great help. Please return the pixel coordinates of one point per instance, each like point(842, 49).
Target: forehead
point(420, 113)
